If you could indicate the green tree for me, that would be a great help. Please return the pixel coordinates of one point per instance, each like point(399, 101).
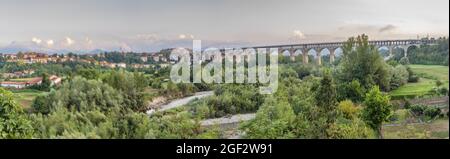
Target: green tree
point(352, 91)
point(88, 73)
point(362, 62)
point(431, 54)
point(46, 83)
point(131, 86)
point(377, 110)
point(81, 95)
point(399, 77)
point(326, 102)
point(413, 78)
point(14, 123)
point(404, 61)
point(273, 121)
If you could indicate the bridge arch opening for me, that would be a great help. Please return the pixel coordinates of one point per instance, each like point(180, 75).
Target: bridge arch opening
point(325, 55)
point(338, 53)
point(284, 56)
point(398, 53)
point(384, 51)
point(286, 53)
point(412, 50)
point(298, 54)
point(312, 56)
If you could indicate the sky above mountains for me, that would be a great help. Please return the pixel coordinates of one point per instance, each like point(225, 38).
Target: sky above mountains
point(144, 26)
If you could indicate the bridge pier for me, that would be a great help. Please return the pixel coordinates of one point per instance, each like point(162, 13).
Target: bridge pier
point(332, 55)
point(305, 56)
point(292, 54)
point(319, 56)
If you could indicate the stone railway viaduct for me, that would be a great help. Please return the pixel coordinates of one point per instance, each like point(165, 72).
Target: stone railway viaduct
point(333, 46)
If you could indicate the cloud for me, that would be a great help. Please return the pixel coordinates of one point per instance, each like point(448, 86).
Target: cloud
point(185, 36)
point(69, 41)
point(182, 36)
point(36, 40)
point(89, 41)
point(366, 28)
point(299, 34)
point(387, 28)
point(50, 42)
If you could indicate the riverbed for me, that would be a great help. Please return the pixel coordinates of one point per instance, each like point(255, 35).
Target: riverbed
point(181, 101)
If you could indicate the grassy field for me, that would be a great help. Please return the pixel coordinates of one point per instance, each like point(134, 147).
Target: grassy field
point(435, 130)
point(25, 97)
point(431, 71)
point(21, 79)
point(429, 74)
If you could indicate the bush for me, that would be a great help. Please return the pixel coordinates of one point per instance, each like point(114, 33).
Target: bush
point(413, 78)
point(394, 117)
point(407, 104)
point(443, 91)
point(417, 110)
point(400, 76)
point(349, 110)
point(404, 61)
point(432, 112)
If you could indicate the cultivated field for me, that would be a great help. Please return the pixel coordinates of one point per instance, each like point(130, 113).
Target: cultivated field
point(25, 97)
point(428, 74)
point(437, 129)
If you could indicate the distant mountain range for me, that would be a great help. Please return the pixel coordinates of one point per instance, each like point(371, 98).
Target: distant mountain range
point(11, 49)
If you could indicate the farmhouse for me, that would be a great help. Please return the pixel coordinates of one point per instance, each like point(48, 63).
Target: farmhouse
point(55, 80)
point(22, 84)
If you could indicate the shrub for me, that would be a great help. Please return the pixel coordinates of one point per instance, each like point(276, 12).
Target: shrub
point(349, 110)
point(432, 112)
point(404, 61)
point(417, 110)
point(400, 76)
point(407, 104)
point(443, 91)
point(413, 78)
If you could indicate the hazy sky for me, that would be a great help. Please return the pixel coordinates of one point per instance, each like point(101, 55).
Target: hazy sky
point(144, 25)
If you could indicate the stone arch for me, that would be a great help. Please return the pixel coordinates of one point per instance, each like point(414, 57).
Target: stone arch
point(297, 53)
point(403, 48)
point(338, 52)
point(388, 53)
point(315, 52)
point(413, 46)
point(321, 52)
point(285, 53)
point(332, 51)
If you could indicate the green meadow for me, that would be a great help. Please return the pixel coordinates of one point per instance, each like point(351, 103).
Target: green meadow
point(428, 74)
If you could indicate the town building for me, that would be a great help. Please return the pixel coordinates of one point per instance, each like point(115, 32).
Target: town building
point(55, 80)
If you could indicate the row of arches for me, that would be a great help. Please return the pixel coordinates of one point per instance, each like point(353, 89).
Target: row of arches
point(335, 52)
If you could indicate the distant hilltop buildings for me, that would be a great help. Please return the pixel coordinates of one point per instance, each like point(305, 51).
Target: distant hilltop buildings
point(142, 60)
